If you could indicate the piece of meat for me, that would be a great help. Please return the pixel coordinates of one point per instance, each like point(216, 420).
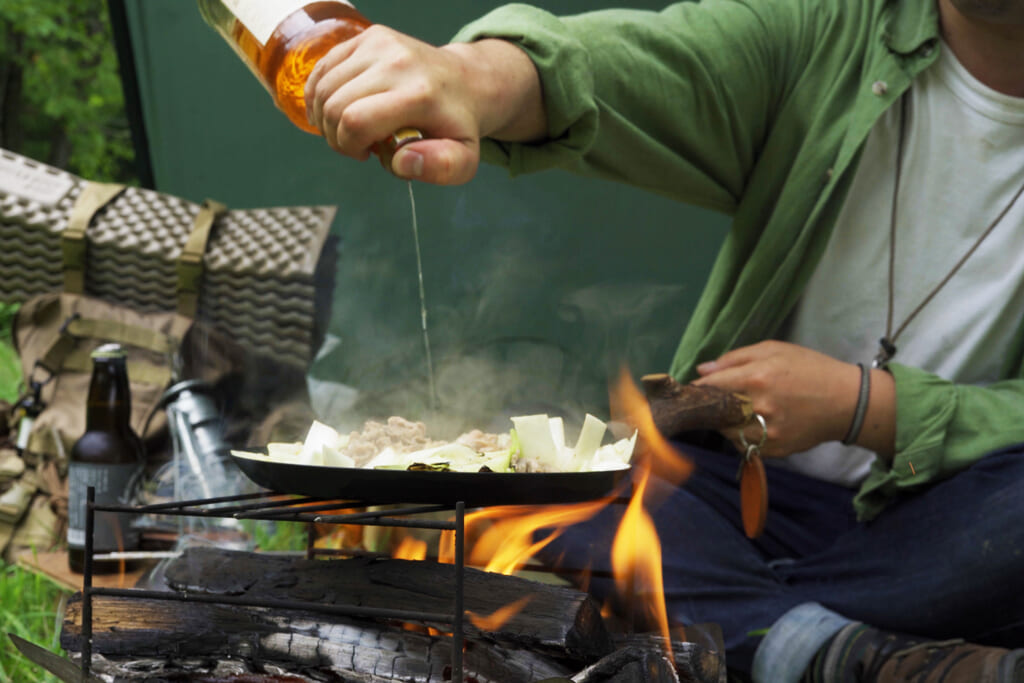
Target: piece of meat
point(405, 436)
point(483, 441)
point(399, 434)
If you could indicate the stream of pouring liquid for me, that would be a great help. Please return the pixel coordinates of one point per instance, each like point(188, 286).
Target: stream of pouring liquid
point(423, 301)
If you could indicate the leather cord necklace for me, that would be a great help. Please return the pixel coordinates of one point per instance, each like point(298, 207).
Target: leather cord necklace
point(887, 344)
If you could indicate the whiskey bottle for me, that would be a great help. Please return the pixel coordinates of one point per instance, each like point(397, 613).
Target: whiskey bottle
point(282, 40)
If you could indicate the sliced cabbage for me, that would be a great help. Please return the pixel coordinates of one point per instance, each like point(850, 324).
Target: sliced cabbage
point(323, 446)
point(284, 451)
point(537, 450)
point(589, 441)
point(542, 447)
point(451, 457)
point(614, 456)
point(385, 459)
point(536, 444)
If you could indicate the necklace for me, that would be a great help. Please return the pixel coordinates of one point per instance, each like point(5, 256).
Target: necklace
point(887, 344)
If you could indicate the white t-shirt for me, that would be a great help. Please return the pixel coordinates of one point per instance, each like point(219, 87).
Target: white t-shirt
point(963, 161)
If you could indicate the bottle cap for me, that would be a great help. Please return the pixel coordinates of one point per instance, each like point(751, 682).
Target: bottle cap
point(108, 352)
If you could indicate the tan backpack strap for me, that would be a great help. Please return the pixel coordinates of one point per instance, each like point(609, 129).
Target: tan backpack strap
point(190, 263)
point(64, 355)
point(141, 372)
point(124, 334)
point(94, 196)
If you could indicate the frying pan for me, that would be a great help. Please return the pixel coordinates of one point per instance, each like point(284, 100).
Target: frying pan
point(675, 408)
point(475, 489)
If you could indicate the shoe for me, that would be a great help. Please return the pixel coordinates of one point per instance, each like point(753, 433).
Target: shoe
point(861, 654)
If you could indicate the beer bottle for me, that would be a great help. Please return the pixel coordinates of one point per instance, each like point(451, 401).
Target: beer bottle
point(106, 457)
point(282, 40)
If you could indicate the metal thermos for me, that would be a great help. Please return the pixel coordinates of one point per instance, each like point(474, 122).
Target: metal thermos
point(202, 466)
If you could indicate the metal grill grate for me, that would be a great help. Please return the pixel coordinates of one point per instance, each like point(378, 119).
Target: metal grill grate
point(267, 506)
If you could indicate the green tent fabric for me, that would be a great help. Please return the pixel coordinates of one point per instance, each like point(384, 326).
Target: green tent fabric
point(538, 288)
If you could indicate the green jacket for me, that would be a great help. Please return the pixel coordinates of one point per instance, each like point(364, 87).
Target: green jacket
point(758, 109)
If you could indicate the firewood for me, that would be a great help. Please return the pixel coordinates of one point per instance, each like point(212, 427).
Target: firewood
point(678, 408)
point(694, 662)
point(297, 641)
point(556, 620)
point(630, 665)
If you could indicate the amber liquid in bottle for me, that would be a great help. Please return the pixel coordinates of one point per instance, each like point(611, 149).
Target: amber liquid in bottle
point(283, 63)
point(106, 457)
point(294, 48)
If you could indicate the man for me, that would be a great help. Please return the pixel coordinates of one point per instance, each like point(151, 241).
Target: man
point(868, 298)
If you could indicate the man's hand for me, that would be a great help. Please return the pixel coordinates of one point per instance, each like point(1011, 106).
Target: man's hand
point(368, 87)
point(805, 397)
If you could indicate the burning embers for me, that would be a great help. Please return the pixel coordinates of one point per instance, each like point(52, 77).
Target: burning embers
point(557, 633)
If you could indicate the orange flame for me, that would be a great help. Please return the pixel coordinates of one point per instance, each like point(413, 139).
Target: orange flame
point(654, 452)
point(636, 560)
point(411, 549)
point(500, 616)
point(503, 536)
point(636, 551)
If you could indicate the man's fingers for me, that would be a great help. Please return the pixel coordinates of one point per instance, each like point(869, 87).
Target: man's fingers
point(737, 357)
point(440, 161)
point(729, 378)
point(324, 66)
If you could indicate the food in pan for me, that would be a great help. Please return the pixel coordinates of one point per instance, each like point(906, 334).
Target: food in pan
point(536, 443)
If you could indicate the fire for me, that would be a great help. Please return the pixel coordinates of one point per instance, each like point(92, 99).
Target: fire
point(655, 453)
point(504, 539)
point(410, 548)
point(498, 618)
point(636, 561)
point(501, 539)
point(636, 551)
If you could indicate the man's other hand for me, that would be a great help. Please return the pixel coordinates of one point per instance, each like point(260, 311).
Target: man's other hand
point(805, 397)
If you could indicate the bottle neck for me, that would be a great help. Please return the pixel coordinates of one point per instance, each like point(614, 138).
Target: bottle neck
point(108, 406)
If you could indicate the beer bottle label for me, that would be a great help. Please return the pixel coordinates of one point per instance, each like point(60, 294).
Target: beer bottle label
point(261, 17)
point(111, 530)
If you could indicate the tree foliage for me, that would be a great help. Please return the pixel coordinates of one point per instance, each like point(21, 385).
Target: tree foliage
point(60, 91)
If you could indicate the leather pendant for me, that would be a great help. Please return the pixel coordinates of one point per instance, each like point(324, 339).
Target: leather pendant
point(753, 494)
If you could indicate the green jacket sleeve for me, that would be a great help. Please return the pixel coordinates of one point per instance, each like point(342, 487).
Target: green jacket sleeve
point(941, 428)
point(678, 102)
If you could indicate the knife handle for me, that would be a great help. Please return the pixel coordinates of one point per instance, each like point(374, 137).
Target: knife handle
point(678, 408)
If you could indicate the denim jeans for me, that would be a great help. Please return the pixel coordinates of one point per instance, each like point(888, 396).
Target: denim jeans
point(945, 562)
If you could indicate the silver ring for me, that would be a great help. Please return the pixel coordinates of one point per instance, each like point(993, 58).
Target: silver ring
point(764, 434)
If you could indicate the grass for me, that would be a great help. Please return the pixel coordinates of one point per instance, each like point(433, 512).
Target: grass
point(10, 368)
point(30, 606)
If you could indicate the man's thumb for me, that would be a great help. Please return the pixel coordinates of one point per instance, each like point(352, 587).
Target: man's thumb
point(437, 161)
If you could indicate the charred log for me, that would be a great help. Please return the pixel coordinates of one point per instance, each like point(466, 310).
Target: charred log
point(295, 641)
point(630, 665)
point(229, 615)
point(556, 621)
point(694, 662)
